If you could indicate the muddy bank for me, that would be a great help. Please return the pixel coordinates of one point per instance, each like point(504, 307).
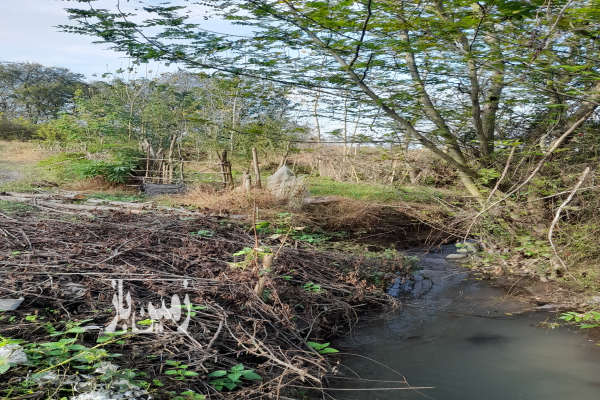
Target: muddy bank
point(77, 275)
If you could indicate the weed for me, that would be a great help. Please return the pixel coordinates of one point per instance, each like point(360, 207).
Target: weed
point(250, 256)
point(233, 378)
point(189, 395)
point(312, 287)
point(203, 233)
point(179, 371)
point(322, 348)
point(586, 320)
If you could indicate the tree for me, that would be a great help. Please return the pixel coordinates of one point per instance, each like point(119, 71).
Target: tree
point(35, 92)
point(441, 71)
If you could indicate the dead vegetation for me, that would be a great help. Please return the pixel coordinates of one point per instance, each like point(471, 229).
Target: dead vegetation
point(374, 165)
point(65, 267)
point(227, 201)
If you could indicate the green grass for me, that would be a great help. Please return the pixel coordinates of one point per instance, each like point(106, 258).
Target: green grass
point(319, 186)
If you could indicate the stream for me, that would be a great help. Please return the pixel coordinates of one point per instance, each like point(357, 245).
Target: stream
point(457, 336)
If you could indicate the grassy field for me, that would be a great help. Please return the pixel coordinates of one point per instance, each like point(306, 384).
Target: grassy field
point(375, 193)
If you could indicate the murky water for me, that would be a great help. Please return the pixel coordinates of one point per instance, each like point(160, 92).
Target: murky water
point(458, 339)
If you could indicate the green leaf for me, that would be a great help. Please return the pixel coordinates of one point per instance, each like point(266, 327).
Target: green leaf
point(234, 376)
point(217, 374)
point(317, 346)
point(243, 252)
point(237, 368)
point(329, 350)
point(251, 375)
point(229, 385)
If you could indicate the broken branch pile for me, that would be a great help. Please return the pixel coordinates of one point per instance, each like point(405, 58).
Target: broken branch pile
point(68, 268)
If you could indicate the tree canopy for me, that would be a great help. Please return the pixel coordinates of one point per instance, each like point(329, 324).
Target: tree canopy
point(36, 92)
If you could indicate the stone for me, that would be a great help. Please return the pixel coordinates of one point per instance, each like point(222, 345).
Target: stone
point(282, 178)
point(283, 184)
point(10, 304)
point(456, 256)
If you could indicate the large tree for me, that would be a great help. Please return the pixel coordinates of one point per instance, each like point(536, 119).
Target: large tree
point(440, 71)
point(36, 92)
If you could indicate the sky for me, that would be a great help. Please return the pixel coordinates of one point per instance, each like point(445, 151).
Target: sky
point(28, 33)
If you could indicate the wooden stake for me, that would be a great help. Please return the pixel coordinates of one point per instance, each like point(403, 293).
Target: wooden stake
point(266, 267)
point(256, 167)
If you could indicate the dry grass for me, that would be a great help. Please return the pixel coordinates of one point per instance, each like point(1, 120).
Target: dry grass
point(228, 201)
point(22, 152)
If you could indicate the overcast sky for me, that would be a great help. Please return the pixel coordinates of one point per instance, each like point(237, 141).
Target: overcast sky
point(28, 33)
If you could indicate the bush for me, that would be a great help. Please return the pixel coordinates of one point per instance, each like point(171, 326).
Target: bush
point(16, 129)
point(64, 129)
point(119, 168)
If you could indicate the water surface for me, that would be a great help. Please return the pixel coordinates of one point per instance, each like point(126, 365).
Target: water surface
point(456, 336)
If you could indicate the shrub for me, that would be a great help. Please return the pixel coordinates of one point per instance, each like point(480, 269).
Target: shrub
point(16, 129)
point(119, 168)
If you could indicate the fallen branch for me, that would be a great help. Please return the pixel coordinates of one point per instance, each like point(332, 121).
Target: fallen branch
point(557, 217)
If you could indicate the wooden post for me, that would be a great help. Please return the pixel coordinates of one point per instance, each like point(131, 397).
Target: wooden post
point(262, 275)
point(225, 169)
point(246, 181)
point(256, 167)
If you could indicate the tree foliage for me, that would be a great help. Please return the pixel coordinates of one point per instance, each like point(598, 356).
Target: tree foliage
point(457, 76)
point(35, 92)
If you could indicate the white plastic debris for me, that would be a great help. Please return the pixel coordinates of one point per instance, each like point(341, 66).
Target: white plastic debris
point(13, 354)
point(95, 395)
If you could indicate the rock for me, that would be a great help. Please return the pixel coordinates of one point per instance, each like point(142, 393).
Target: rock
point(13, 354)
point(548, 307)
point(10, 304)
point(283, 184)
point(278, 182)
point(456, 256)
